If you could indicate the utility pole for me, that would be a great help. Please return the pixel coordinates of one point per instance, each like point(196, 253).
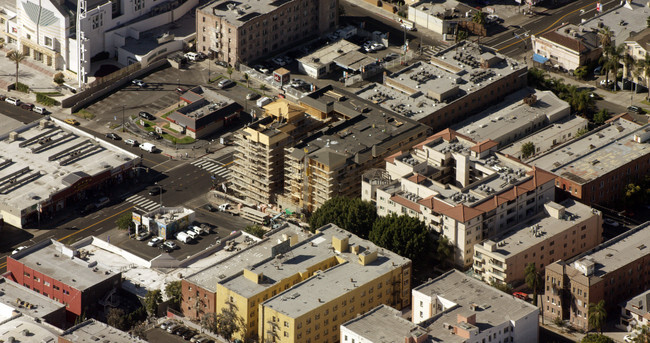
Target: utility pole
point(123, 129)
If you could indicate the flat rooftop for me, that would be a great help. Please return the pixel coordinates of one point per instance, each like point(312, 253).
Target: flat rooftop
point(570, 124)
point(92, 331)
point(597, 153)
point(450, 9)
point(228, 265)
point(383, 324)
point(619, 251)
point(329, 284)
point(238, 12)
point(396, 101)
point(47, 159)
point(55, 260)
point(522, 237)
point(203, 105)
point(458, 291)
point(512, 115)
point(183, 28)
point(621, 19)
point(452, 74)
point(367, 127)
point(15, 297)
point(40, 332)
point(328, 53)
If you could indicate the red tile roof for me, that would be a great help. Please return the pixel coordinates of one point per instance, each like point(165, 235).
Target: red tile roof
point(406, 203)
point(417, 178)
point(565, 41)
point(484, 145)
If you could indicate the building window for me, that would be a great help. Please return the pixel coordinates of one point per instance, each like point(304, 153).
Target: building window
point(138, 5)
point(46, 283)
point(48, 41)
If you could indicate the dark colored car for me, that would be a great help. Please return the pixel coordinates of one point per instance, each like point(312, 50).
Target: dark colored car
point(154, 135)
point(154, 191)
point(189, 334)
point(3, 97)
point(27, 106)
point(146, 115)
point(87, 209)
point(180, 330)
point(210, 208)
point(113, 136)
point(221, 63)
point(635, 109)
point(165, 248)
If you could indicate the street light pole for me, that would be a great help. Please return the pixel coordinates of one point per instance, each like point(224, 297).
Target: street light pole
point(161, 191)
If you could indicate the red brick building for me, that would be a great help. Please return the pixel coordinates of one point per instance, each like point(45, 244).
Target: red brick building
point(57, 271)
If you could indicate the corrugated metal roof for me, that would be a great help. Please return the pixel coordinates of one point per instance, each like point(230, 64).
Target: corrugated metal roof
point(47, 17)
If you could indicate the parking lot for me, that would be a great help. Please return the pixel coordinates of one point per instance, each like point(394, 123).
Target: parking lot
point(222, 225)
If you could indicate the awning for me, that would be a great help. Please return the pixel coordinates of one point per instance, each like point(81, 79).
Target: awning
point(539, 58)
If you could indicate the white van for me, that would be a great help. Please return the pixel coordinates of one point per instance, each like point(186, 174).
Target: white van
point(192, 56)
point(148, 147)
point(183, 237)
point(40, 110)
point(13, 101)
point(263, 101)
point(192, 234)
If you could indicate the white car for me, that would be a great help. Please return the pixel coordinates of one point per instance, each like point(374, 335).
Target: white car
point(606, 82)
point(378, 46)
point(628, 338)
point(18, 249)
point(492, 18)
point(155, 241)
point(611, 222)
point(224, 83)
point(170, 245)
point(131, 142)
point(139, 83)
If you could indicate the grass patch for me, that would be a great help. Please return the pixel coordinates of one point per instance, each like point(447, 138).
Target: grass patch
point(184, 140)
point(51, 93)
point(46, 100)
point(21, 87)
point(115, 126)
point(84, 113)
point(215, 79)
point(167, 127)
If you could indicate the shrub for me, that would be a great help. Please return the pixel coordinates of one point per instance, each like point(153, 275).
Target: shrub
point(255, 230)
point(45, 100)
point(59, 78)
point(22, 88)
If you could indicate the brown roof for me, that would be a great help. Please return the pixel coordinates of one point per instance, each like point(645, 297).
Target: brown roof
point(565, 41)
point(541, 176)
point(391, 158)
point(406, 203)
point(460, 212)
point(484, 145)
point(623, 115)
point(417, 178)
point(642, 38)
point(446, 134)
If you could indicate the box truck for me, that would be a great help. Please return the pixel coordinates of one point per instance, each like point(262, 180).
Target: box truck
point(148, 147)
point(183, 237)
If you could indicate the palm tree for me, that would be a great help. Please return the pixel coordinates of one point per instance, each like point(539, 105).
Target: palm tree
point(16, 57)
point(247, 78)
point(643, 67)
point(616, 54)
point(479, 17)
point(229, 71)
point(643, 335)
point(628, 61)
point(533, 280)
point(608, 64)
point(597, 315)
point(537, 77)
point(605, 37)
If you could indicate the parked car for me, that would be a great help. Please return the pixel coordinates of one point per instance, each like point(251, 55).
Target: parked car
point(103, 201)
point(597, 70)
point(155, 241)
point(18, 249)
point(192, 234)
point(154, 135)
point(180, 90)
point(611, 222)
point(225, 83)
point(606, 83)
point(13, 101)
point(180, 330)
point(170, 244)
point(391, 56)
point(40, 110)
point(221, 63)
point(143, 235)
point(71, 121)
point(87, 209)
point(192, 56)
point(27, 106)
point(139, 83)
point(165, 248)
point(635, 109)
point(146, 115)
point(172, 327)
point(189, 334)
point(520, 295)
point(252, 96)
point(131, 142)
point(113, 136)
point(279, 61)
point(165, 325)
point(155, 190)
point(210, 208)
point(595, 96)
point(3, 97)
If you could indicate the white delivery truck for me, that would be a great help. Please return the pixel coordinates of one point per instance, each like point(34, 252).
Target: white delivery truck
point(263, 101)
point(148, 147)
point(183, 237)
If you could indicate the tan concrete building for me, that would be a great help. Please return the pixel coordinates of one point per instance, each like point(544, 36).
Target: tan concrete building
point(568, 46)
point(562, 231)
point(258, 168)
point(614, 271)
point(243, 31)
point(330, 162)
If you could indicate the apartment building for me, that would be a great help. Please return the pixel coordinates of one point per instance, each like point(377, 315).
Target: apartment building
point(91, 330)
point(458, 82)
point(637, 44)
point(635, 312)
point(306, 289)
point(382, 324)
point(596, 167)
point(462, 189)
point(243, 31)
point(563, 230)
point(569, 46)
point(15, 299)
point(519, 115)
point(258, 168)
point(455, 307)
point(614, 271)
point(63, 274)
point(330, 162)
point(439, 17)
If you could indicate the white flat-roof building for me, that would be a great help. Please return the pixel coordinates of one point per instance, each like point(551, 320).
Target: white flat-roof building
point(518, 115)
point(91, 330)
point(48, 165)
point(383, 324)
point(164, 221)
point(458, 308)
point(561, 231)
point(320, 62)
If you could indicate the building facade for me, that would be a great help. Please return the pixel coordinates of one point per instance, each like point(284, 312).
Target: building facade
point(614, 271)
point(241, 32)
point(461, 189)
point(562, 231)
point(634, 312)
point(568, 46)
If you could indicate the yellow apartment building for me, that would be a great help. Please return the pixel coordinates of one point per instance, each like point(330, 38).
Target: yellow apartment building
point(306, 289)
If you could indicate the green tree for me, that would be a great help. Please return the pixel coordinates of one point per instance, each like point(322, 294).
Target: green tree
point(647, 22)
point(616, 54)
point(581, 72)
point(444, 250)
point(247, 78)
point(228, 322)
point(16, 57)
point(537, 77)
point(633, 194)
point(479, 17)
point(116, 318)
point(354, 215)
point(174, 292)
point(597, 315)
point(533, 280)
point(601, 116)
point(582, 132)
point(404, 235)
point(643, 335)
point(596, 338)
point(209, 322)
point(605, 37)
point(628, 63)
point(461, 36)
point(151, 301)
point(229, 71)
point(503, 287)
point(125, 222)
point(255, 230)
point(527, 149)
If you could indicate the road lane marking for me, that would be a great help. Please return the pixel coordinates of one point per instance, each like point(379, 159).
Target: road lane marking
point(99, 222)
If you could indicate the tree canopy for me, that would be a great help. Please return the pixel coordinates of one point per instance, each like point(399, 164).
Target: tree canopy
point(596, 338)
point(151, 301)
point(403, 235)
point(125, 222)
point(173, 291)
point(597, 315)
point(527, 149)
point(601, 116)
point(255, 230)
point(533, 280)
point(354, 215)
